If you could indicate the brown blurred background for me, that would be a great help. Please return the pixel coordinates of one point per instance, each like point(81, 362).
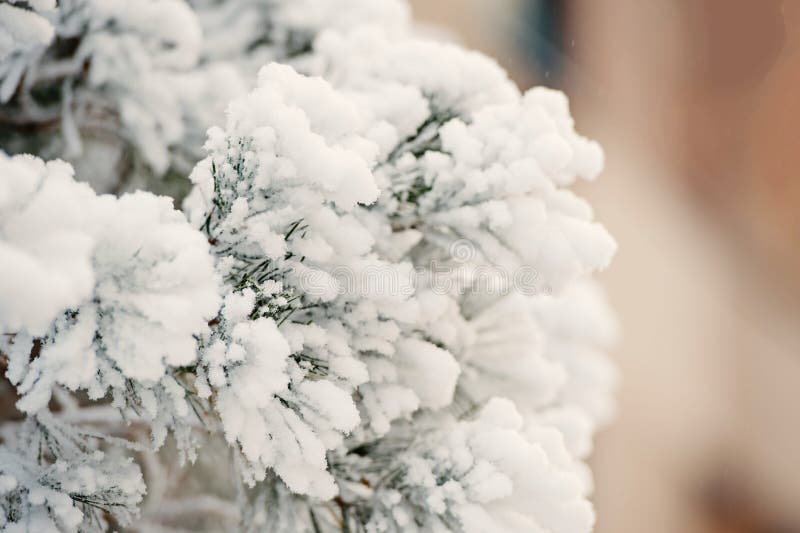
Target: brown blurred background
point(697, 103)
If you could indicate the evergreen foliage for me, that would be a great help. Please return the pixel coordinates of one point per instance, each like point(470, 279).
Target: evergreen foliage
point(373, 312)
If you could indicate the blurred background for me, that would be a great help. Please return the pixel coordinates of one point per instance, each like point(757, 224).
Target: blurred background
point(697, 103)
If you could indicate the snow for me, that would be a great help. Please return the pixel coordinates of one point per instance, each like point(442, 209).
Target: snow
point(21, 30)
point(46, 248)
point(24, 34)
point(276, 196)
point(485, 474)
point(46, 495)
point(432, 373)
point(380, 289)
point(93, 272)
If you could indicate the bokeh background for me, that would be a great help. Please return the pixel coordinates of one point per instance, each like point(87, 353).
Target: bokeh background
point(697, 103)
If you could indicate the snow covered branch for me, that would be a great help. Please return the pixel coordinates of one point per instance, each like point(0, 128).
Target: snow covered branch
point(376, 313)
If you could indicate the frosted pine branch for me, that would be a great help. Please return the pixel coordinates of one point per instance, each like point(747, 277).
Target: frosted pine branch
point(376, 314)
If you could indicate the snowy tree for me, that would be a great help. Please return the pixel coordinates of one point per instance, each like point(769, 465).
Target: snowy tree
point(131, 87)
point(441, 130)
point(103, 89)
point(376, 313)
point(54, 478)
point(102, 295)
point(254, 32)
